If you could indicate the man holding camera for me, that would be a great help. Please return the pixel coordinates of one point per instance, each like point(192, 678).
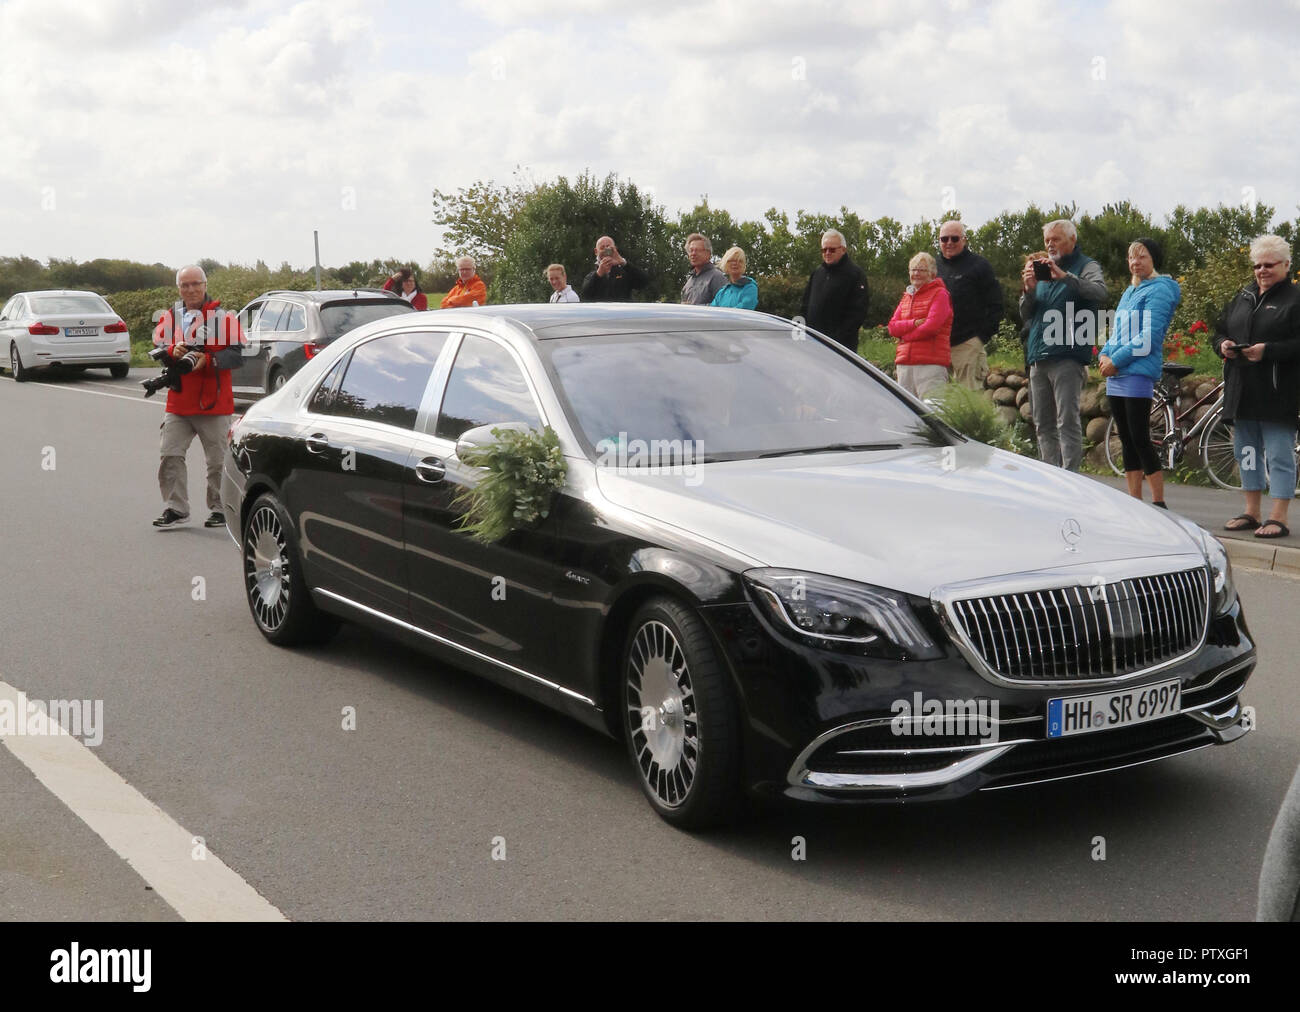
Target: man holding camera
point(199, 343)
point(614, 278)
point(1060, 298)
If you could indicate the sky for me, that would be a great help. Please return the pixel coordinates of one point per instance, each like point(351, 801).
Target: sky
point(164, 131)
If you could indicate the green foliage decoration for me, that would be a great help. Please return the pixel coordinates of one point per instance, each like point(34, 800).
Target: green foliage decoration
point(524, 471)
point(970, 413)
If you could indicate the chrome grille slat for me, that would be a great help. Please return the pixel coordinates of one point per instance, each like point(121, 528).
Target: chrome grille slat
point(1074, 633)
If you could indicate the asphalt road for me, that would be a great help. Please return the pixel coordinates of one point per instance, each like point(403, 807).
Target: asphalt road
point(243, 744)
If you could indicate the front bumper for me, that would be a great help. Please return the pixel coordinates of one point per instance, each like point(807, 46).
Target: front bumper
point(822, 726)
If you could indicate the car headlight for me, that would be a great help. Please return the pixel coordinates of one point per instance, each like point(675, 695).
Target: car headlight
point(1223, 594)
point(841, 614)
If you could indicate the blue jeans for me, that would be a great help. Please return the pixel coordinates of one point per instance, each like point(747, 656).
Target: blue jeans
point(1259, 444)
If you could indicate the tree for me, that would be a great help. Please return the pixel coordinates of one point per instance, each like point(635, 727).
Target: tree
point(478, 220)
point(559, 222)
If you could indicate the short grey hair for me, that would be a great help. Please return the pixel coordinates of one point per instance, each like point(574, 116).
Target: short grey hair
point(1065, 225)
point(697, 237)
point(466, 260)
point(204, 278)
point(1272, 246)
point(961, 226)
point(834, 233)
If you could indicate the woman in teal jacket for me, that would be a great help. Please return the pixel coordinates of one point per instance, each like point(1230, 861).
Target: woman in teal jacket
point(1131, 361)
point(741, 292)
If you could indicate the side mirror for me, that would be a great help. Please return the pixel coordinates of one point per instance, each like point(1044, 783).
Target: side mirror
point(481, 436)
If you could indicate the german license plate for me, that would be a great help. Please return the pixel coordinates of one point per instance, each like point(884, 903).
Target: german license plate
point(1067, 715)
point(81, 331)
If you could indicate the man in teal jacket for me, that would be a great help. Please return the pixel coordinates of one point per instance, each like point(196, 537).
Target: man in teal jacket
point(1064, 327)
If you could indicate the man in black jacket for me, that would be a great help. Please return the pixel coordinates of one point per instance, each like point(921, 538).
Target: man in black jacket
point(976, 304)
point(614, 278)
point(835, 301)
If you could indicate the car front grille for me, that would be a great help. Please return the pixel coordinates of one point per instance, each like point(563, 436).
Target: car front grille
point(1086, 632)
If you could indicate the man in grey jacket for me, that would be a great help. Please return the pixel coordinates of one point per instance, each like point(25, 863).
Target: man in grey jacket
point(705, 280)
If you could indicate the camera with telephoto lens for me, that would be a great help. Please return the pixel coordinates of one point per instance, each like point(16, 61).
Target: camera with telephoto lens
point(173, 370)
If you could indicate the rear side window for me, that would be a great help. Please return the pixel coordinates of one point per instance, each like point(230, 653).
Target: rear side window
point(486, 388)
point(294, 319)
point(271, 313)
point(386, 378)
point(338, 318)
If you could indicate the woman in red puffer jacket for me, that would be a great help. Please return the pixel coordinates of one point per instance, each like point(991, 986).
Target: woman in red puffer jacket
point(922, 324)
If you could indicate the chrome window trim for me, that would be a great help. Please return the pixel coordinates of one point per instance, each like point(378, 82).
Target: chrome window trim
point(943, 600)
point(576, 696)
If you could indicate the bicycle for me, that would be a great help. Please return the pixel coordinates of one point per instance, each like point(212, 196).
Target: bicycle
point(1211, 432)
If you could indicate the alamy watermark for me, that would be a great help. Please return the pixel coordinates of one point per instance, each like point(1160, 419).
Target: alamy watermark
point(81, 718)
point(1086, 327)
point(935, 718)
point(669, 456)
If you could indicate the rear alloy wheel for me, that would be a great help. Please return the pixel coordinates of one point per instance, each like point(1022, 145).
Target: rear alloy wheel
point(119, 370)
point(680, 717)
point(277, 595)
point(20, 372)
point(275, 381)
point(1218, 454)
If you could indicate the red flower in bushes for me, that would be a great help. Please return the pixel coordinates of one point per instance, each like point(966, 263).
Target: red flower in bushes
point(1199, 325)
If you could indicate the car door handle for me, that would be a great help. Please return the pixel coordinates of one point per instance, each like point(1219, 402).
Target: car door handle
point(317, 442)
point(430, 470)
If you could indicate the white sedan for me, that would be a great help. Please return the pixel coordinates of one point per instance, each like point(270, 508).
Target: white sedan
point(43, 329)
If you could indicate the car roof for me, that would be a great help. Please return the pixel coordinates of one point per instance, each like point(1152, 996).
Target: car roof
point(333, 294)
point(549, 321)
point(60, 291)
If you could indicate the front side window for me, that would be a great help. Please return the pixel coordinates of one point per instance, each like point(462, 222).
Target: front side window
point(385, 379)
point(486, 387)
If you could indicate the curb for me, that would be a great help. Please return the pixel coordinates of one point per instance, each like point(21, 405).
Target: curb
point(1271, 558)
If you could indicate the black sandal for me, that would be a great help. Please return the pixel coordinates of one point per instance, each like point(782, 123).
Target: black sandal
point(1250, 524)
point(1282, 529)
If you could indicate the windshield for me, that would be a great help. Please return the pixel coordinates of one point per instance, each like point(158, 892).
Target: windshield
point(727, 395)
point(337, 319)
point(46, 304)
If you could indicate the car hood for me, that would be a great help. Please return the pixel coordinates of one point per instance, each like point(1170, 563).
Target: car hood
point(912, 520)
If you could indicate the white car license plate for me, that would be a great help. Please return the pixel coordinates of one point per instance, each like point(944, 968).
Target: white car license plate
point(1069, 715)
point(81, 331)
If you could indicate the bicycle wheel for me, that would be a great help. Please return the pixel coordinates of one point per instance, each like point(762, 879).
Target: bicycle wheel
point(1161, 422)
point(1218, 455)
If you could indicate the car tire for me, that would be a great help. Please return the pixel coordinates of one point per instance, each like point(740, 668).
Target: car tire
point(275, 380)
point(680, 717)
point(119, 370)
point(20, 372)
point(278, 597)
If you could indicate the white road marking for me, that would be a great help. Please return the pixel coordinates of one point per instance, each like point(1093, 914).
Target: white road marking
point(142, 834)
point(100, 393)
point(82, 389)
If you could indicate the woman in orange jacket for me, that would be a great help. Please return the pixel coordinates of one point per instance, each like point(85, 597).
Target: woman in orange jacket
point(922, 324)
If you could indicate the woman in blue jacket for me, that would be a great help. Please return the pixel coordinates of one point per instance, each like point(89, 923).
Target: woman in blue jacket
point(1131, 362)
point(741, 292)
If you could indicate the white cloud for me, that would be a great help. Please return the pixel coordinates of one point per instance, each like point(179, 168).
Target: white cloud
point(234, 131)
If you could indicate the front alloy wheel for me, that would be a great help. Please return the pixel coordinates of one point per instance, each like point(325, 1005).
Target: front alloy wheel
point(680, 717)
point(277, 595)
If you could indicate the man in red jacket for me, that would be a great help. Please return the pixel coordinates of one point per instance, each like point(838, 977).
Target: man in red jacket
point(213, 340)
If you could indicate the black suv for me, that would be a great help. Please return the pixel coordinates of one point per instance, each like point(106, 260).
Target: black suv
point(286, 328)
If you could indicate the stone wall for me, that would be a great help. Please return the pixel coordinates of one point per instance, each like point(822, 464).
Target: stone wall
point(1009, 391)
